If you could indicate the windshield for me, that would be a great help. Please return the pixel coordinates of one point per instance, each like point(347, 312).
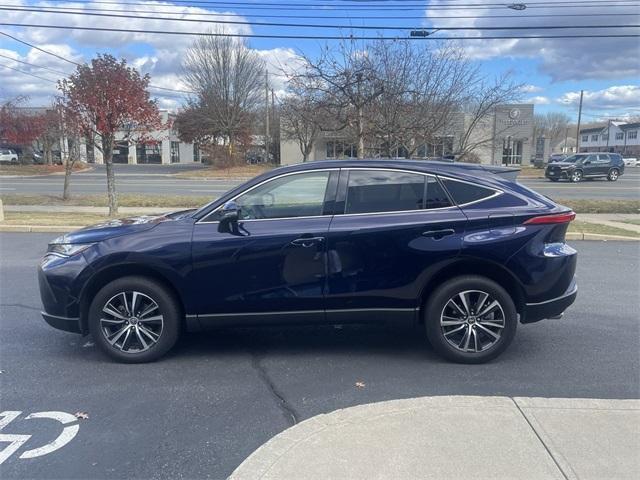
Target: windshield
point(574, 159)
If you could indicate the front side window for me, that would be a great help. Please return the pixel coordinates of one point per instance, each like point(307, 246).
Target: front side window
point(299, 195)
point(463, 192)
point(371, 191)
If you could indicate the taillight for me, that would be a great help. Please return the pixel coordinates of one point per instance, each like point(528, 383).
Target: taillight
point(551, 219)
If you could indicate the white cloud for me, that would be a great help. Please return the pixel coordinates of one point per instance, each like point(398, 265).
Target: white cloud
point(613, 98)
point(560, 58)
point(531, 89)
point(539, 100)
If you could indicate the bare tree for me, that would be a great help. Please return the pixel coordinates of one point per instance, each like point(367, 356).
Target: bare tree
point(553, 125)
point(346, 79)
point(227, 78)
point(479, 107)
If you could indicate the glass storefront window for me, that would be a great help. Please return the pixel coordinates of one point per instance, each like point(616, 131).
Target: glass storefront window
point(511, 152)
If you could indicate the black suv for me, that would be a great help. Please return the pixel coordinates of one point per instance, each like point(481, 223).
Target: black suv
point(586, 165)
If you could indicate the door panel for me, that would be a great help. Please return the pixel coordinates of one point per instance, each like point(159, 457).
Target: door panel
point(381, 261)
point(262, 267)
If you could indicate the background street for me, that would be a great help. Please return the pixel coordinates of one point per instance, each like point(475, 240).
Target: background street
point(217, 397)
point(156, 179)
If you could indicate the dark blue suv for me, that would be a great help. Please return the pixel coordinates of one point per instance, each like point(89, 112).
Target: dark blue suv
point(456, 249)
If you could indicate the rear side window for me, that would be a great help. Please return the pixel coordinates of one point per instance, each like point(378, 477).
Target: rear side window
point(436, 196)
point(463, 192)
point(370, 191)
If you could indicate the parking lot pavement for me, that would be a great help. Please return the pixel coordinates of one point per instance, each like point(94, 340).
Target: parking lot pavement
point(200, 412)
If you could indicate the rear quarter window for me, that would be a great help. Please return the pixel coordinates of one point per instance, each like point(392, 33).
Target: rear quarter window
point(463, 192)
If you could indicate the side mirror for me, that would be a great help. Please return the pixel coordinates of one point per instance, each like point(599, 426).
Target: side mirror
point(230, 215)
point(230, 211)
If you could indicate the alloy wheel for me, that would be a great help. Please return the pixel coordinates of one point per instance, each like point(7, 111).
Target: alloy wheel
point(613, 175)
point(576, 177)
point(131, 322)
point(472, 321)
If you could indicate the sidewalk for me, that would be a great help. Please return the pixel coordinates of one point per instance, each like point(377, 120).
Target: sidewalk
point(612, 220)
point(458, 437)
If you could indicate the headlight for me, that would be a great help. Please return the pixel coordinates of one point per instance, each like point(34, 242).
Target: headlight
point(67, 249)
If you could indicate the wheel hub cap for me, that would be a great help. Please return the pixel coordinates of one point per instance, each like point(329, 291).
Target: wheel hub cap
point(472, 321)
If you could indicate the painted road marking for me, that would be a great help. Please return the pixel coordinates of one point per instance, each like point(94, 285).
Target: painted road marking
point(16, 441)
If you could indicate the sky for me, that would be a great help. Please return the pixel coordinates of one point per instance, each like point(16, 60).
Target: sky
point(552, 70)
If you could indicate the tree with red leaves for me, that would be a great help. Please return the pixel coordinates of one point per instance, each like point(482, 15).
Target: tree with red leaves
point(107, 98)
point(18, 128)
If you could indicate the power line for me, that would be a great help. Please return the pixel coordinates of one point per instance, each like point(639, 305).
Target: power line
point(33, 65)
point(27, 73)
point(71, 62)
point(323, 26)
point(309, 37)
point(40, 49)
point(317, 17)
point(421, 7)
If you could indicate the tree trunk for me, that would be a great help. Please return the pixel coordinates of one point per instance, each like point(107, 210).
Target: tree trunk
point(360, 133)
point(107, 153)
point(68, 167)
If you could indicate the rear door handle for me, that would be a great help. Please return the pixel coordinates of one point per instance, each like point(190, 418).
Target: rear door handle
point(307, 241)
point(438, 234)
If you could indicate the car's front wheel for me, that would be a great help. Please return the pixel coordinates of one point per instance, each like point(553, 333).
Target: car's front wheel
point(134, 319)
point(613, 175)
point(576, 176)
point(470, 319)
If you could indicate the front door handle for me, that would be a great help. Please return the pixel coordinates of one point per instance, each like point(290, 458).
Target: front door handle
point(307, 242)
point(438, 234)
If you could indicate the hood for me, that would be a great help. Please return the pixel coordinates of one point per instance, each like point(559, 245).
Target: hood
point(562, 164)
point(118, 227)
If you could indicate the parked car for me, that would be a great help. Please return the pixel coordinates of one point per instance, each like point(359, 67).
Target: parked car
point(556, 157)
point(586, 166)
point(630, 162)
point(8, 156)
point(453, 248)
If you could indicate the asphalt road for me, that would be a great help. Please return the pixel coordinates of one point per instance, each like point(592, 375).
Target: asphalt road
point(156, 179)
point(199, 412)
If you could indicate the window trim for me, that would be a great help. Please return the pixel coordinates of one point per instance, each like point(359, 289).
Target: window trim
point(496, 191)
point(203, 219)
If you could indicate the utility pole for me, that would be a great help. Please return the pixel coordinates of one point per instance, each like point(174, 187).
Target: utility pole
point(276, 128)
point(578, 136)
point(608, 133)
point(566, 134)
point(266, 119)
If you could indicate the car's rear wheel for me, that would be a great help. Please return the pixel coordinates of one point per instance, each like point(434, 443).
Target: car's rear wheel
point(470, 319)
point(613, 175)
point(576, 176)
point(134, 320)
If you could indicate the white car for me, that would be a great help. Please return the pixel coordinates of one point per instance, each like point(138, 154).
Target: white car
point(630, 162)
point(8, 156)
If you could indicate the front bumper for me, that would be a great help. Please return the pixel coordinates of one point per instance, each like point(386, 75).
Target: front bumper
point(535, 312)
point(63, 323)
point(558, 174)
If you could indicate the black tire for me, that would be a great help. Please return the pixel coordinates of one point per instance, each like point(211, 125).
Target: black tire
point(439, 301)
point(576, 176)
point(613, 175)
point(167, 332)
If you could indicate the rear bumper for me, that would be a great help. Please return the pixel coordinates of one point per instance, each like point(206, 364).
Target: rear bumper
point(63, 323)
point(554, 307)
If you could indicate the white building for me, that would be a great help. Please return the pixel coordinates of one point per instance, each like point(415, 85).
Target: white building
point(161, 147)
point(617, 137)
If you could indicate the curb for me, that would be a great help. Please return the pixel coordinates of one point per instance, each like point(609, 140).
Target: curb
point(599, 236)
point(40, 228)
point(36, 175)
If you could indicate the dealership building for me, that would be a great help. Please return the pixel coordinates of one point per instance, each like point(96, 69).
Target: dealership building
point(505, 137)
